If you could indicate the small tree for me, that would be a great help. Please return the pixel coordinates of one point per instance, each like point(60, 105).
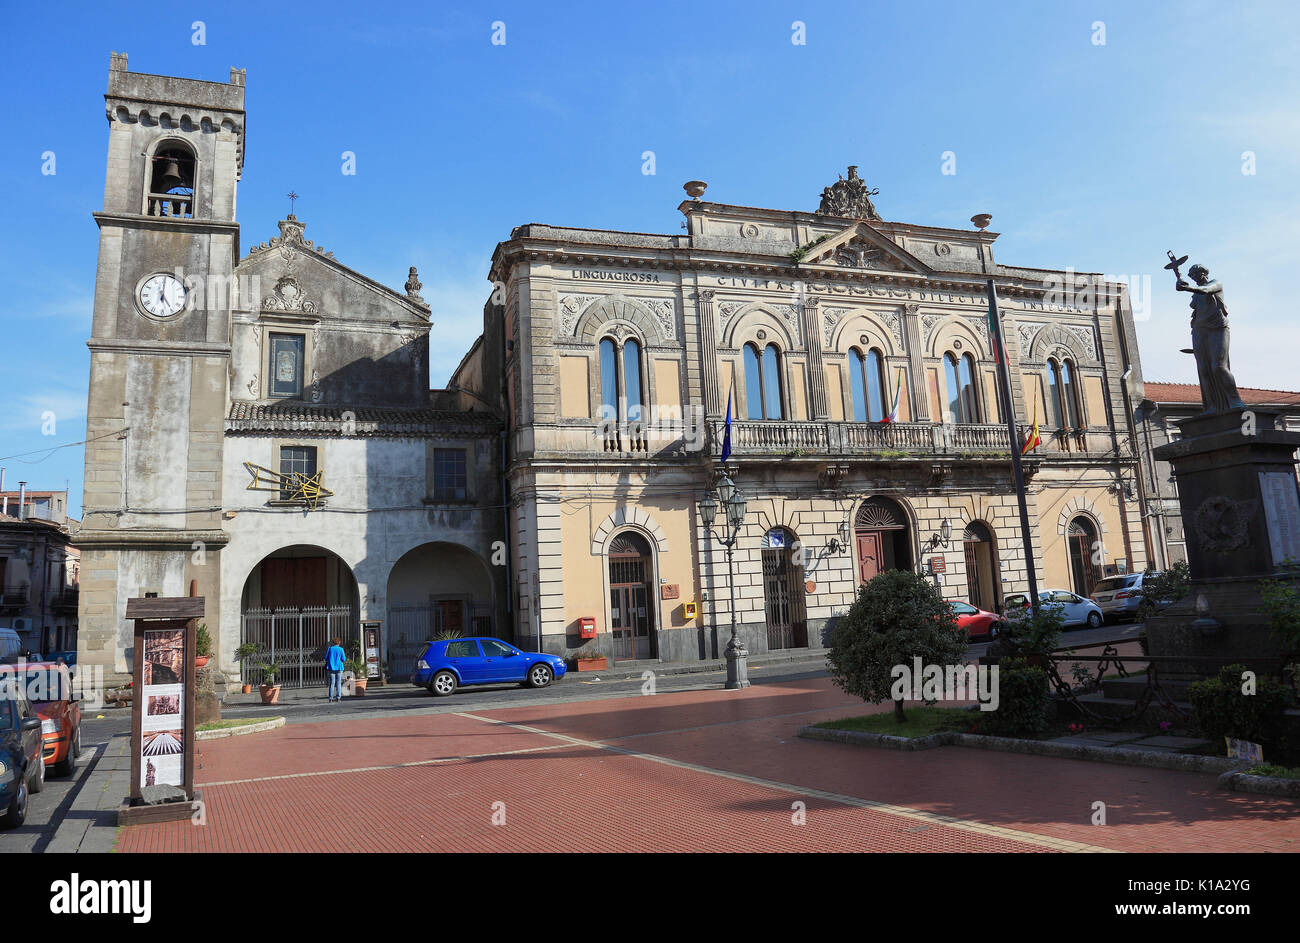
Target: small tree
point(898, 616)
point(1281, 598)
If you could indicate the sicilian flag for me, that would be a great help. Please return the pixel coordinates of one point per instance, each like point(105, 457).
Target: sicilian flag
point(898, 389)
point(726, 432)
point(1032, 441)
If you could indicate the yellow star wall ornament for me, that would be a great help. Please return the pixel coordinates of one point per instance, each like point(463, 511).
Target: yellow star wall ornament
point(294, 486)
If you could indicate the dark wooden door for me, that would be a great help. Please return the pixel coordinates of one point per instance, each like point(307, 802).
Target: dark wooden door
point(870, 551)
point(293, 582)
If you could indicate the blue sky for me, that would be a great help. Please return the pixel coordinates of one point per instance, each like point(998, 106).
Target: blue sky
point(1099, 157)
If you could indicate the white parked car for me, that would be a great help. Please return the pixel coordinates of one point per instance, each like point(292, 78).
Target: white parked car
point(1078, 610)
point(1119, 596)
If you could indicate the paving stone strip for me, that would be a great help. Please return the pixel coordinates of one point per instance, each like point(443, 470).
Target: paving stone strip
point(1125, 754)
point(930, 818)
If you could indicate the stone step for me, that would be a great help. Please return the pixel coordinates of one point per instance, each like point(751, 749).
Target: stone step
point(1133, 686)
point(1117, 707)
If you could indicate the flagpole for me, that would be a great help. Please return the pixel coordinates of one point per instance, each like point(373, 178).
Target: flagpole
point(1004, 386)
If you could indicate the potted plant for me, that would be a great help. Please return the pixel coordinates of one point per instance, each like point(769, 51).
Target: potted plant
point(247, 652)
point(588, 659)
point(270, 688)
point(202, 645)
point(357, 665)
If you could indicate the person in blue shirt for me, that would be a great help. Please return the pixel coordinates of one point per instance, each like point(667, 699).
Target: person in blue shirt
point(334, 665)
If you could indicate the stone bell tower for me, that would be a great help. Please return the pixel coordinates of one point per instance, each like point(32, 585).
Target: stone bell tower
point(159, 351)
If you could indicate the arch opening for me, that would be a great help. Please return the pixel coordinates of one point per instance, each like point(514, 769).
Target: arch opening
point(293, 603)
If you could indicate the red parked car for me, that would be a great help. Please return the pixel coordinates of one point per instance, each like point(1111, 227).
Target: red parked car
point(49, 688)
point(976, 622)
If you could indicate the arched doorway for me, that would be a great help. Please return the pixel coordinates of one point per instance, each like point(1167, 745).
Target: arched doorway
point(1082, 538)
point(783, 592)
point(294, 601)
point(631, 603)
point(881, 535)
point(983, 585)
point(436, 589)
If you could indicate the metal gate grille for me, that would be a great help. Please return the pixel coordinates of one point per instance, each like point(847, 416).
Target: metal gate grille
point(786, 625)
point(296, 639)
point(410, 628)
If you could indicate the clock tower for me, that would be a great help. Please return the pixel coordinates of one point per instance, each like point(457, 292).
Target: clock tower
point(159, 351)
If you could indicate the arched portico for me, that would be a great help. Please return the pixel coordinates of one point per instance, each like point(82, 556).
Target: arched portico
point(437, 588)
point(294, 601)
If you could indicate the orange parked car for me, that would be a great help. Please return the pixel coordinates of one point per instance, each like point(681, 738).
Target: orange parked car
point(49, 688)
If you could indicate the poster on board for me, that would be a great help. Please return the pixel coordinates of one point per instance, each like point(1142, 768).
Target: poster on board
point(162, 721)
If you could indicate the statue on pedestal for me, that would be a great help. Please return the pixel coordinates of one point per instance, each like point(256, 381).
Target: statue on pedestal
point(1209, 337)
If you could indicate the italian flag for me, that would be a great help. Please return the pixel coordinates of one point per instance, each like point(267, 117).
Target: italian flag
point(898, 389)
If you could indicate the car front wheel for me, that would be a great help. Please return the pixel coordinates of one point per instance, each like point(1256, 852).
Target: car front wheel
point(68, 765)
point(539, 676)
point(16, 814)
point(1094, 620)
point(38, 781)
point(443, 684)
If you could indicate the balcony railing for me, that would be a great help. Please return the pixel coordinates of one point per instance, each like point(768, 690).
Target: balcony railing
point(65, 601)
point(171, 204)
point(15, 597)
point(920, 439)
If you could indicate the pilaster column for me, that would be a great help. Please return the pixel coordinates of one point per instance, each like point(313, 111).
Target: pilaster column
point(812, 336)
point(918, 395)
point(709, 353)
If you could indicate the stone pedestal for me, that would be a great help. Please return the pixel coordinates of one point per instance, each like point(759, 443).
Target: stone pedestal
point(1240, 504)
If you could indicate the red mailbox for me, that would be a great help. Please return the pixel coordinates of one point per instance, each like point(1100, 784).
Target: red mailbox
point(586, 627)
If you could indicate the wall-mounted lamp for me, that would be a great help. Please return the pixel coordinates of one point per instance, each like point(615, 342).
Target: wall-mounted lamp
point(944, 535)
point(840, 542)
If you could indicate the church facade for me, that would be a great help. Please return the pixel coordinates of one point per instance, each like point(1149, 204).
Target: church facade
point(624, 353)
point(261, 429)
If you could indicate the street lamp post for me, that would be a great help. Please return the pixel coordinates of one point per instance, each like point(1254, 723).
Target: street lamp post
point(733, 505)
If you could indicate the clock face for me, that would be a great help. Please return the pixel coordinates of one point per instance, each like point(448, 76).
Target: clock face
point(163, 296)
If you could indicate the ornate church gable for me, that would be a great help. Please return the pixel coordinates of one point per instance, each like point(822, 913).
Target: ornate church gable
point(290, 275)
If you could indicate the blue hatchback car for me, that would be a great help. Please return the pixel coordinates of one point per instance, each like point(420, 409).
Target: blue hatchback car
point(449, 663)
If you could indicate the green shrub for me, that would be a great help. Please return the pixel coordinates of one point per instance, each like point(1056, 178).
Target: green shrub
point(898, 616)
point(1166, 587)
point(1039, 631)
point(1222, 710)
point(1022, 702)
point(202, 640)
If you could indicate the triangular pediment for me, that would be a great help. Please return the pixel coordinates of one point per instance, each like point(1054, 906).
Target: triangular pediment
point(296, 278)
point(861, 246)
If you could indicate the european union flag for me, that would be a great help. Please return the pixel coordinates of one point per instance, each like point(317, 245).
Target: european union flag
point(726, 432)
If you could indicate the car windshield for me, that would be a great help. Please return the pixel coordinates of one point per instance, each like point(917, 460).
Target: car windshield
point(1115, 582)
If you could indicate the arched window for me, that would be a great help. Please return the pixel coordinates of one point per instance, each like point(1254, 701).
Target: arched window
point(622, 394)
point(1064, 394)
point(969, 397)
point(608, 381)
point(632, 379)
point(866, 380)
point(963, 402)
point(763, 383)
point(1070, 395)
point(171, 182)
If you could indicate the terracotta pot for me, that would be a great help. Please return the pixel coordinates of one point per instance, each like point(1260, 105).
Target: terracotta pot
point(591, 664)
point(201, 660)
point(359, 687)
point(270, 694)
point(248, 689)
